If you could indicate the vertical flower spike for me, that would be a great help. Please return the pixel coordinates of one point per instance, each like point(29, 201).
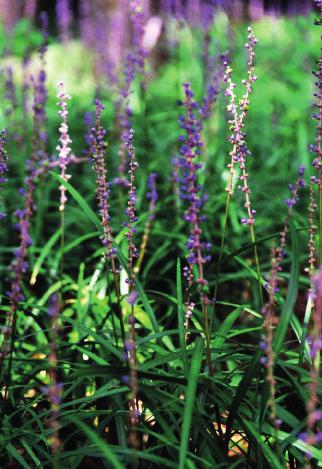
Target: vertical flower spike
point(97, 152)
point(137, 18)
point(191, 192)
point(317, 164)
point(130, 347)
point(64, 19)
point(313, 435)
point(20, 264)
point(133, 65)
point(40, 88)
point(312, 231)
point(240, 152)
point(95, 140)
point(3, 169)
point(131, 207)
point(317, 115)
point(86, 26)
point(266, 343)
point(64, 143)
point(317, 148)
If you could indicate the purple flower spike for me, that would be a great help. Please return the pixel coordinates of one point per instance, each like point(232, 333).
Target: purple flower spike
point(132, 297)
point(64, 19)
point(3, 168)
point(97, 146)
point(191, 193)
point(152, 194)
point(131, 205)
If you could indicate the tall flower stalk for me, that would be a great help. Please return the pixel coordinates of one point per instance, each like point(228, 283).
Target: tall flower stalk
point(240, 153)
point(313, 435)
point(133, 66)
point(64, 150)
point(20, 264)
point(130, 346)
point(65, 141)
point(191, 192)
point(268, 311)
point(97, 153)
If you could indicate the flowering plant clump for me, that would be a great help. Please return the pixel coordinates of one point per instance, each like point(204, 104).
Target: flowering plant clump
point(160, 311)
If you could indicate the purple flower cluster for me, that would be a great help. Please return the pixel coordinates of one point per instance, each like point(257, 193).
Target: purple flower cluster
point(293, 199)
point(192, 194)
point(30, 8)
point(190, 189)
point(64, 18)
point(280, 251)
point(20, 265)
point(96, 141)
point(152, 194)
point(3, 168)
point(312, 231)
point(317, 115)
point(131, 205)
point(194, 12)
point(137, 18)
point(54, 393)
point(63, 147)
point(210, 98)
point(86, 26)
point(40, 91)
point(134, 64)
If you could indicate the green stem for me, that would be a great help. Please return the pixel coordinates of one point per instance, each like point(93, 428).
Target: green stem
point(260, 291)
point(221, 251)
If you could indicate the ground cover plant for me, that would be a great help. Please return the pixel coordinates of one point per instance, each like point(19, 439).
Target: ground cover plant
point(160, 217)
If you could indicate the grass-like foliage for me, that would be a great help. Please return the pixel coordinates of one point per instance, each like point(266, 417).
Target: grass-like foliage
point(160, 223)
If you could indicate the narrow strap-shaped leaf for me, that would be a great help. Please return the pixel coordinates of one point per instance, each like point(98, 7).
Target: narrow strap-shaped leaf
point(242, 388)
point(43, 254)
point(80, 200)
point(108, 453)
point(189, 404)
point(16, 455)
point(292, 292)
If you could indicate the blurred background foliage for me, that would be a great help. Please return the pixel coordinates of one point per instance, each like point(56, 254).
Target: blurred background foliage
point(279, 126)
